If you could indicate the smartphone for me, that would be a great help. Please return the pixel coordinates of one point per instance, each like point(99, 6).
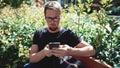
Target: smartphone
point(54, 44)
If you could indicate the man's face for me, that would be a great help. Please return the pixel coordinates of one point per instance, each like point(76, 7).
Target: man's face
point(53, 18)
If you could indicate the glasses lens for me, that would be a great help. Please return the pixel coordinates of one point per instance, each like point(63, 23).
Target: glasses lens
point(48, 19)
point(56, 19)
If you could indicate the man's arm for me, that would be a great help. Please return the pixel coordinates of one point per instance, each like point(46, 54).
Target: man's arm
point(83, 50)
point(36, 56)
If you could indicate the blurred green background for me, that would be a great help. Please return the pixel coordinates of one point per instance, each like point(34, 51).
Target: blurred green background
point(99, 26)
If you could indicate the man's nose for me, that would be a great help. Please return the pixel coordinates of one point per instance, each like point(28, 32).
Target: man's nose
point(53, 21)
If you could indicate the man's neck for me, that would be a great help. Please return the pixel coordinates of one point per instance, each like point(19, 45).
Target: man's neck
point(55, 31)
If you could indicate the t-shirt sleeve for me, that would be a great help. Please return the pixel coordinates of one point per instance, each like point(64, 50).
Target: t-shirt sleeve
point(73, 38)
point(36, 37)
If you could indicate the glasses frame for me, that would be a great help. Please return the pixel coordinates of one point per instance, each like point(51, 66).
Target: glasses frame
point(50, 19)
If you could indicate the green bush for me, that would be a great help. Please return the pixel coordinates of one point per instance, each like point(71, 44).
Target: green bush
point(15, 3)
point(17, 27)
point(99, 29)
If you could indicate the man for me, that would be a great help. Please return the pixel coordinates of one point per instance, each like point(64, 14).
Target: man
point(41, 56)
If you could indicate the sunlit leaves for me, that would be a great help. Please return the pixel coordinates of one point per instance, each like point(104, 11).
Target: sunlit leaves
point(97, 28)
point(17, 27)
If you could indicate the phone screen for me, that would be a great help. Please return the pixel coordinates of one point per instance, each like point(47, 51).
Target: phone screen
point(54, 44)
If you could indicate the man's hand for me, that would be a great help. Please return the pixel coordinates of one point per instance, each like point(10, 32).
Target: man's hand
point(47, 51)
point(61, 51)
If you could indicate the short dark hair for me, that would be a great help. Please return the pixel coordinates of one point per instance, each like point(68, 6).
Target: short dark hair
point(54, 5)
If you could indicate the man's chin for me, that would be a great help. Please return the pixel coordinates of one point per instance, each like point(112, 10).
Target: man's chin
point(53, 29)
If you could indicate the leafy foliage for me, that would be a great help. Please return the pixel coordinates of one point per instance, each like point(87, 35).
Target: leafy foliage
point(17, 27)
point(16, 30)
point(15, 3)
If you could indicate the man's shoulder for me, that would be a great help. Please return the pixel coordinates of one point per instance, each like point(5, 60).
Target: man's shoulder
point(41, 30)
point(66, 30)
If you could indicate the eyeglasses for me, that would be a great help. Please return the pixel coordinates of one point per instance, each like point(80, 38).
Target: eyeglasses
point(49, 19)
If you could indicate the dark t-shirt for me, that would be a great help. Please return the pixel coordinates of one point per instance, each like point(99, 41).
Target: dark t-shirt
point(42, 37)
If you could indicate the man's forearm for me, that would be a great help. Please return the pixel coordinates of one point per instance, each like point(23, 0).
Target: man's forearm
point(36, 57)
point(83, 52)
